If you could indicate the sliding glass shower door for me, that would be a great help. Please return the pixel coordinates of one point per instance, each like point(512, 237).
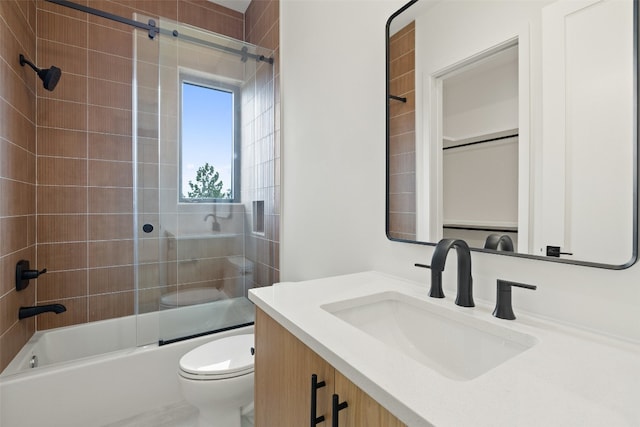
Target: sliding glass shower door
point(196, 118)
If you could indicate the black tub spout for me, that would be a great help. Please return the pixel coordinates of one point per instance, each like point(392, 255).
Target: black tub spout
point(25, 312)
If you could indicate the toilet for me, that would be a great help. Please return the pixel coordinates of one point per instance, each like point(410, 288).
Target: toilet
point(217, 378)
point(189, 297)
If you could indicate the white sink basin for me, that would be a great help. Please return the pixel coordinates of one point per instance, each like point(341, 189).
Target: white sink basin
point(455, 345)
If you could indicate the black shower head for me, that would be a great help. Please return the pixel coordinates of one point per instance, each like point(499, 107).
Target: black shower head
point(49, 77)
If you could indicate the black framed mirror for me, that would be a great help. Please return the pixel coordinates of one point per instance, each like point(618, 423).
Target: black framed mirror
point(514, 126)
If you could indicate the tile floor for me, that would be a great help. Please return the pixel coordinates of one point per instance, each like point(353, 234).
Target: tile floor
point(177, 415)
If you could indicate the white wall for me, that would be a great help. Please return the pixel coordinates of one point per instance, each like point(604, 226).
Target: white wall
point(333, 203)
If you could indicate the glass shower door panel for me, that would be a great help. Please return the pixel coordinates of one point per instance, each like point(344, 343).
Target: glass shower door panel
point(149, 266)
point(205, 272)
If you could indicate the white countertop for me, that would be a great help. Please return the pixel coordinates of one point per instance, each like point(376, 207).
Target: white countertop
point(569, 378)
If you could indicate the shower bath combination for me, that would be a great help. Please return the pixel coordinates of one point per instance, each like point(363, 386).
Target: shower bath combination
point(49, 76)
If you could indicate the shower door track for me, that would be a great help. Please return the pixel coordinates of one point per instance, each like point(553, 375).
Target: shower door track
point(202, 334)
point(153, 30)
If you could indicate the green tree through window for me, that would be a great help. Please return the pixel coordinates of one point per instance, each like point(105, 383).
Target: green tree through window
point(208, 185)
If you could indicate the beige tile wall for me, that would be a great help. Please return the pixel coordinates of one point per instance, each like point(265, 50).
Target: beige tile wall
point(262, 28)
point(66, 161)
point(84, 172)
point(402, 135)
point(17, 169)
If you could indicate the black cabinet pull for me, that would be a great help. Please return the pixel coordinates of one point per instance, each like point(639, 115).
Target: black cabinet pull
point(555, 251)
point(335, 408)
point(315, 385)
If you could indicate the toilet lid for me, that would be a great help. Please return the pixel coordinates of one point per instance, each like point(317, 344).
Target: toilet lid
point(223, 358)
point(192, 297)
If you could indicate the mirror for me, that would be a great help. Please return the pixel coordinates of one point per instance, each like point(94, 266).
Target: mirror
point(513, 125)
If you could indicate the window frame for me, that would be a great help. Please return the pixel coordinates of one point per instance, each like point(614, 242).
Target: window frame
point(210, 81)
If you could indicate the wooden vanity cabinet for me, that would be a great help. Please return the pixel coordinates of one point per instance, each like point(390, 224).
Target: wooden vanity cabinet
point(283, 370)
point(362, 410)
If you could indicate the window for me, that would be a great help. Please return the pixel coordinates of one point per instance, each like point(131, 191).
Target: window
point(209, 141)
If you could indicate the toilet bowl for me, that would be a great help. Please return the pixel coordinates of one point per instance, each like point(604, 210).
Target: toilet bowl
point(217, 378)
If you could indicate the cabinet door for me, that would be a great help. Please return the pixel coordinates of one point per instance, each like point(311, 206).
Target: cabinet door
point(283, 369)
point(362, 409)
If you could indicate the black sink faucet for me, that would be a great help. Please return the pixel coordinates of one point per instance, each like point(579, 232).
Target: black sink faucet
point(499, 242)
point(215, 226)
point(25, 312)
point(465, 281)
point(504, 309)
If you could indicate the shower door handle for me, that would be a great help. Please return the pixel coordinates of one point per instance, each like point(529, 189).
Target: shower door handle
point(315, 385)
point(336, 407)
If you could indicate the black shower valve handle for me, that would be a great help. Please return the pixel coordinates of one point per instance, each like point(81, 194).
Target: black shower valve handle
point(24, 274)
point(32, 274)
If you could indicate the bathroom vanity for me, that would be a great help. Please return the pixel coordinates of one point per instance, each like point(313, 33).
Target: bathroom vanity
point(283, 393)
point(398, 357)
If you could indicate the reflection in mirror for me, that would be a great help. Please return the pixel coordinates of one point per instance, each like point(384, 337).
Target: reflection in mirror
point(480, 132)
point(515, 121)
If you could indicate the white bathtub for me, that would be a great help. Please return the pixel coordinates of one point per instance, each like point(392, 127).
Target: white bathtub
point(94, 374)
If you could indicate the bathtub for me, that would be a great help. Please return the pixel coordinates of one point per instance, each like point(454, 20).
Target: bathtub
point(94, 374)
